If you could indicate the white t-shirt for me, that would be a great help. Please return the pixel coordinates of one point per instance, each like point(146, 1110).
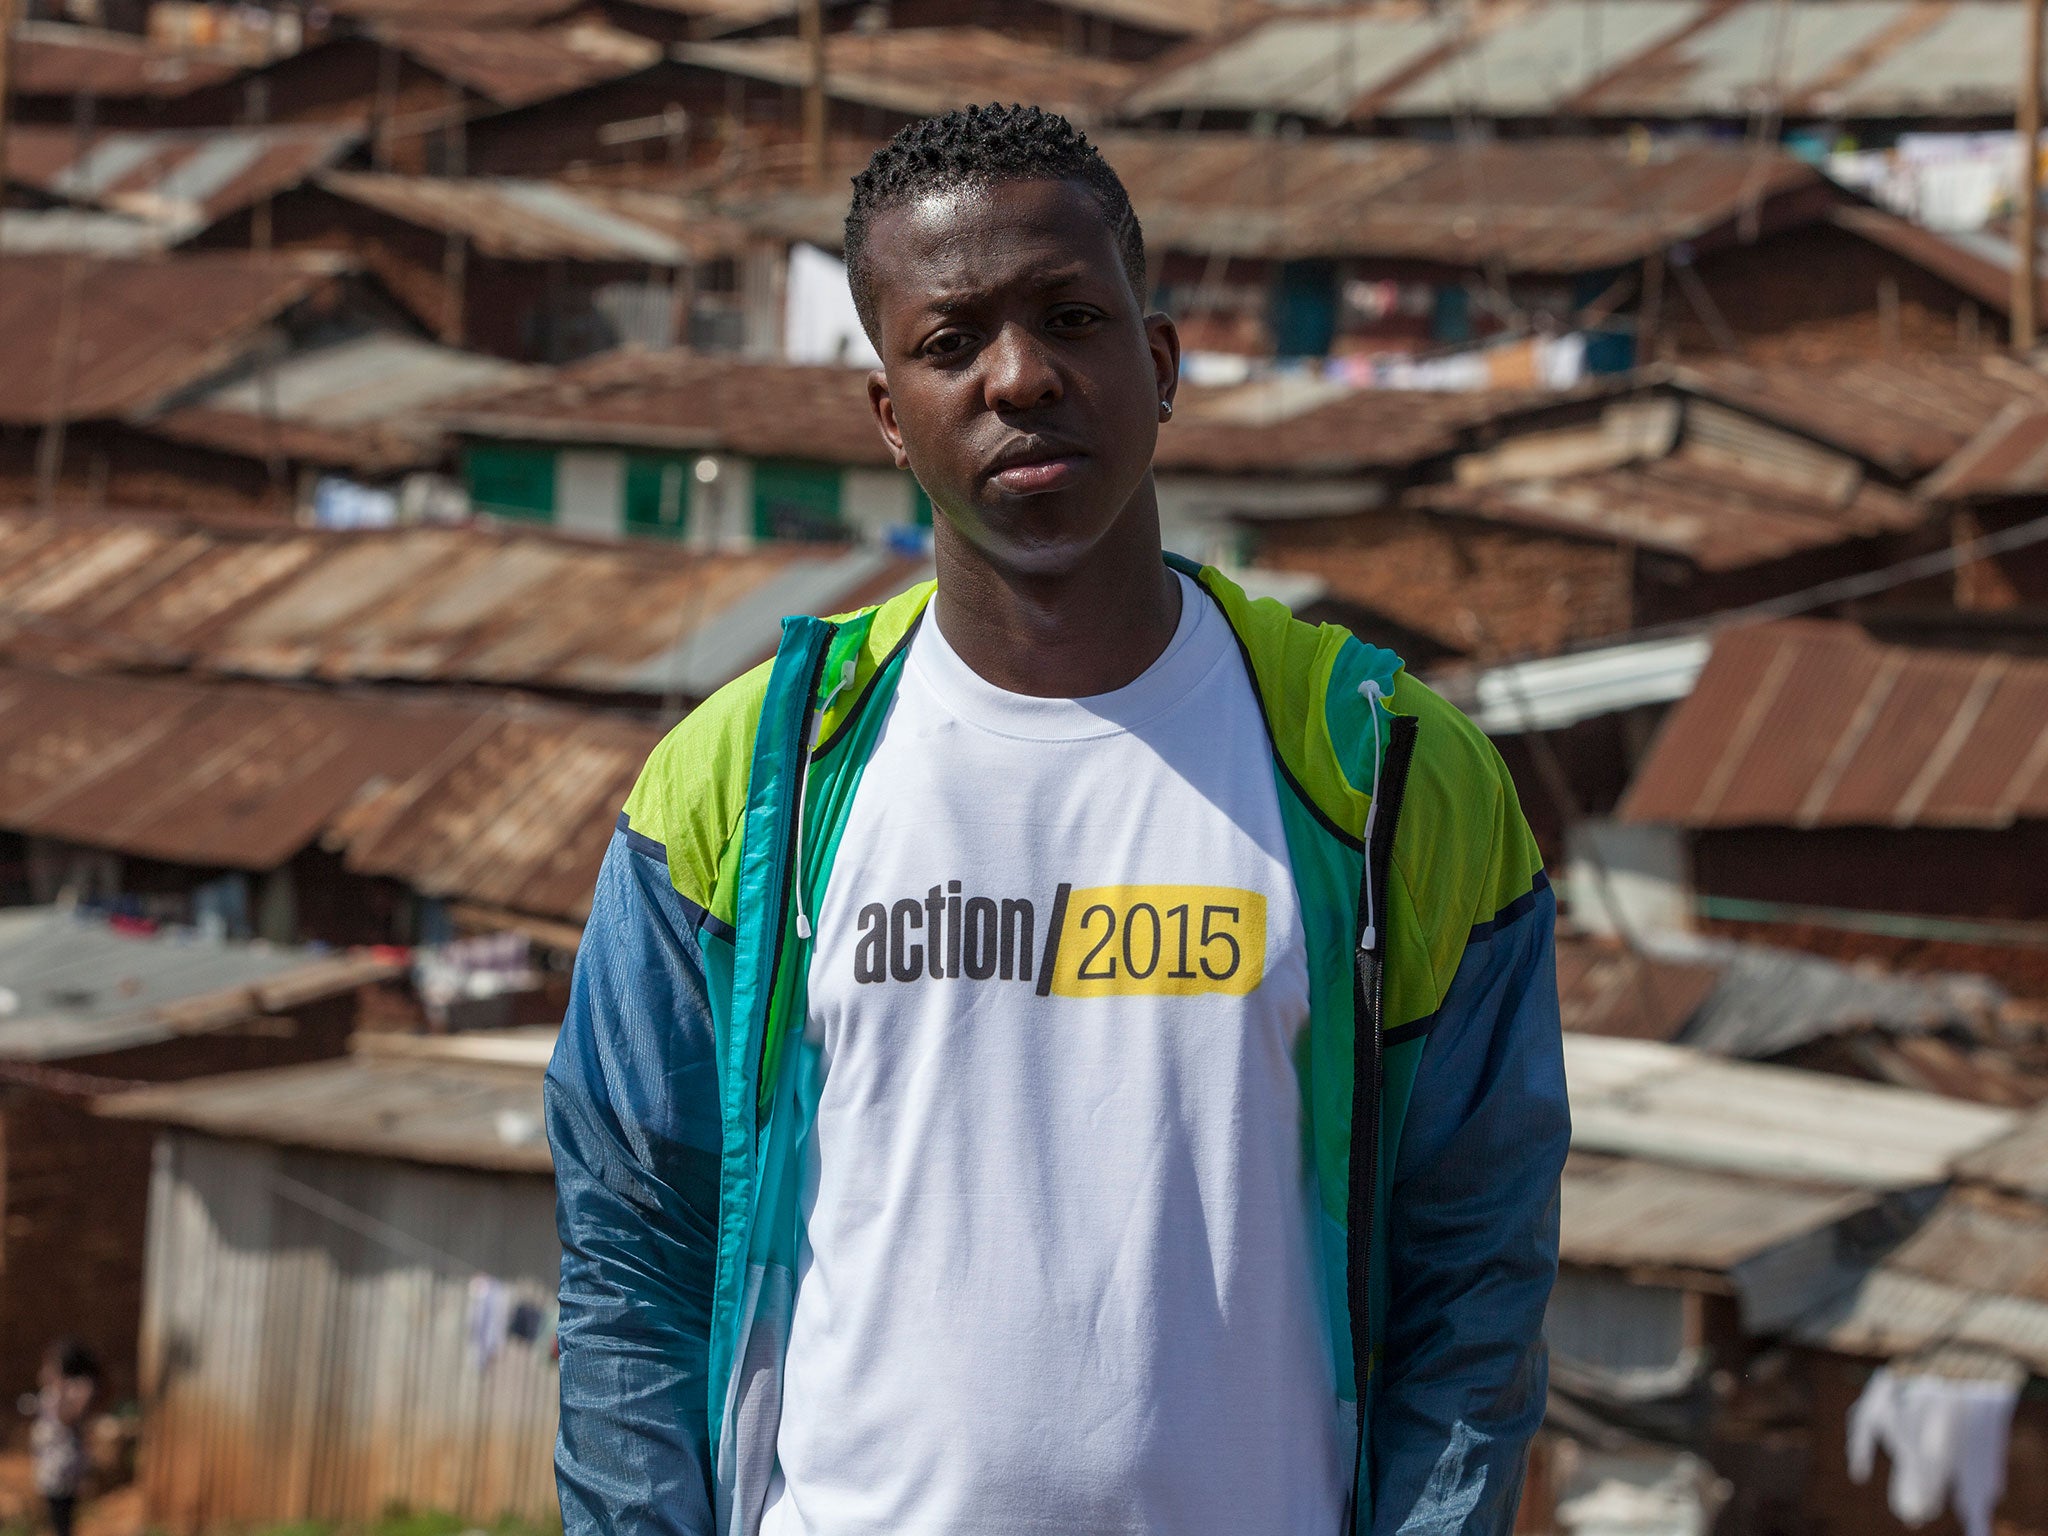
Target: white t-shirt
point(1057, 1273)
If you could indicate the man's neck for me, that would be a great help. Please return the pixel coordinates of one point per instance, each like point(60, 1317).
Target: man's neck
point(1067, 636)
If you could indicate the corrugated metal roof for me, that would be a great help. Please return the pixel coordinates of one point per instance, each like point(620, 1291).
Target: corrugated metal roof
point(462, 1114)
point(1639, 1098)
point(73, 985)
point(508, 805)
point(54, 59)
point(1607, 988)
point(515, 67)
point(1975, 1275)
point(1866, 58)
point(460, 13)
point(1695, 504)
point(1531, 62)
point(1809, 723)
point(1540, 205)
point(1906, 414)
point(416, 604)
point(2008, 458)
point(1552, 692)
point(520, 220)
point(200, 773)
point(75, 231)
point(378, 376)
point(921, 71)
point(2018, 1162)
point(361, 404)
point(1306, 64)
point(179, 178)
point(1753, 1000)
point(1982, 1240)
point(1576, 58)
point(684, 400)
point(1623, 1213)
point(89, 339)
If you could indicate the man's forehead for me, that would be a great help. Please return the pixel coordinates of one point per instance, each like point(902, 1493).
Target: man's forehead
point(981, 235)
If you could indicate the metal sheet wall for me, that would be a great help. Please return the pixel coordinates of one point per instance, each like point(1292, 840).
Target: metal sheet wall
point(307, 1351)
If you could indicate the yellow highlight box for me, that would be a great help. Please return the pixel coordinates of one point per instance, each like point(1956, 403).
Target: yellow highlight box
point(1160, 941)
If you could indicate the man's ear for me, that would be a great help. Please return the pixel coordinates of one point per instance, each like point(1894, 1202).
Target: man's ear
point(1162, 338)
point(885, 415)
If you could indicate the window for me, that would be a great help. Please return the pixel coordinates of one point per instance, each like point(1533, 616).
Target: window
point(795, 500)
point(511, 480)
point(658, 494)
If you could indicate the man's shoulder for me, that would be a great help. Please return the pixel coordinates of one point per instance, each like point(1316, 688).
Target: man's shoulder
point(692, 790)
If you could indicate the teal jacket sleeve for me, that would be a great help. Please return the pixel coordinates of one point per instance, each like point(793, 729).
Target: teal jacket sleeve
point(632, 1116)
point(1472, 1239)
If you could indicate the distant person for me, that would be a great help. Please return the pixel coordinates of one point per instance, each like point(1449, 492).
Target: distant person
point(69, 1378)
point(1073, 1051)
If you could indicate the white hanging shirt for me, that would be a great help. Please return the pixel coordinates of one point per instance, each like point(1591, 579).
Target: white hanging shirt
point(1058, 1272)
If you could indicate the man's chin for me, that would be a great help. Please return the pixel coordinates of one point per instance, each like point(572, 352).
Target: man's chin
point(1033, 535)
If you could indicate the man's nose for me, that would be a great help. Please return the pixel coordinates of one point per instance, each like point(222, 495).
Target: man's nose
point(1018, 371)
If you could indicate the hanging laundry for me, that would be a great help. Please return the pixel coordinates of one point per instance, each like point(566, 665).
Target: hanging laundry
point(1946, 1438)
point(489, 1307)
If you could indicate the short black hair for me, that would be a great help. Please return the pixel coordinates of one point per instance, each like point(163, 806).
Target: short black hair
point(976, 146)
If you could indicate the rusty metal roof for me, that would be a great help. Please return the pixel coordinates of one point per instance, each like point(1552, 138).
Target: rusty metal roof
point(506, 804)
point(360, 403)
point(1809, 723)
point(1626, 1213)
point(683, 400)
point(181, 178)
point(2008, 458)
point(515, 67)
point(498, 607)
point(75, 985)
point(1907, 414)
point(1582, 58)
point(1975, 1275)
point(679, 399)
point(460, 13)
point(524, 220)
point(54, 59)
point(1719, 517)
point(922, 71)
point(89, 338)
point(428, 1108)
point(1555, 206)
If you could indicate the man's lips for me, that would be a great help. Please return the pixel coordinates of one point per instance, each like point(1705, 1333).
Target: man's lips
point(1035, 470)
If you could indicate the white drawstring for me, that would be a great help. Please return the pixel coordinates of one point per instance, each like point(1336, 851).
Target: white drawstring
point(803, 786)
point(1374, 697)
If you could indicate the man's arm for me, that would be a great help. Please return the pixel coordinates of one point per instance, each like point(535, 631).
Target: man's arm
point(1472, 1239)
point(632, 1113)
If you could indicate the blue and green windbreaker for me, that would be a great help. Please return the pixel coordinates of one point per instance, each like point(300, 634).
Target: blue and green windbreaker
point(1433, 1081)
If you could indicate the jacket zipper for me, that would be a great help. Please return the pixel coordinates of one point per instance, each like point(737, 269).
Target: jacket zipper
point(1368, 1003)
point(791, 839)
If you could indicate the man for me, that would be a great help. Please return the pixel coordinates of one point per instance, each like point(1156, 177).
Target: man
point(1071, 1052)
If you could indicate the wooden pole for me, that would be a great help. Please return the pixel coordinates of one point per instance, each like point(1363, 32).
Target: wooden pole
point(2027, 235)
point(813, 19)
point(6, 83)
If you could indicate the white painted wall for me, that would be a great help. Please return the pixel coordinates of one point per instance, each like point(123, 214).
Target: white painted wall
point(875, 500)
point(590, 491)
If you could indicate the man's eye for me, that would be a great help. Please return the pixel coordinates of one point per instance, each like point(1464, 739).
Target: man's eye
point(1072, 318)
point(946, 344)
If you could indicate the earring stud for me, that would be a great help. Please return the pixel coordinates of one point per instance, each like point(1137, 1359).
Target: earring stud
point(1166, 409)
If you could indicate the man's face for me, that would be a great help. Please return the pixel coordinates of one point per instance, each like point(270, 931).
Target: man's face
point(1021, 382)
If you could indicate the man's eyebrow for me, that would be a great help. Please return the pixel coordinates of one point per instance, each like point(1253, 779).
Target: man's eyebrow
point(950, 301)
